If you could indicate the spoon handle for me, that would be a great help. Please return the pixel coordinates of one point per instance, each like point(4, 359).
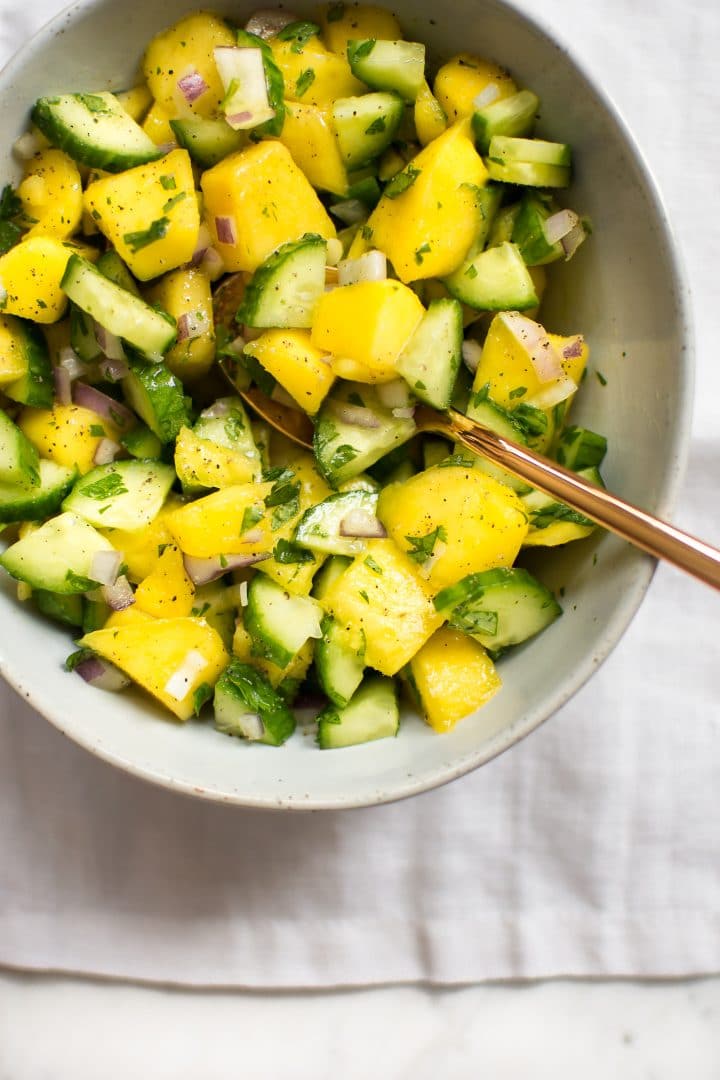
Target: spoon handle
point(636, 526)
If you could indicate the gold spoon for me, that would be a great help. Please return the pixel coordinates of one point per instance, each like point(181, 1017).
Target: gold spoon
point(639, 528)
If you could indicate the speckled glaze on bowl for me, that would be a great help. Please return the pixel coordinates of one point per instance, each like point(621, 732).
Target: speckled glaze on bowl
point(624, 290)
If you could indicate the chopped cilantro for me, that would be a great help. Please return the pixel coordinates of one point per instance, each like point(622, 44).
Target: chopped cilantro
point(420, 385)
point(107, 487)
point(366, 232)
point(285, 486)
point(420, 252)
point(481, 395)
point(471, 271)
point(402, 181)
point(423, 545)
point(198, 612)
point(299, 33)
point(78, 657)
point(601, 378)
point(355, 399)
point(304, 81)
point(373, 565)
point(168, 182)
point(286, 552)
point(361, 50)
point(251, 516)
point(366, 598)
point(138, 240)
point(93, 103)
point(284, 513)
point(234, 425)
point(223, 561)
point(174, 201)
point(376, 127)
point(97, 430)
point(519, 391)
point(10, 205)
point(203, 693)
point(342, 456)
point(80, 583)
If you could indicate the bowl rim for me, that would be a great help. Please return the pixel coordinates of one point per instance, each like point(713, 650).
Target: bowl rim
point(669, 489)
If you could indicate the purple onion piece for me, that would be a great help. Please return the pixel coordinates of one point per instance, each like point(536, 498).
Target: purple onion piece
point(203, 571)
point(63, 385)
point(192, 86)
point(119, 595)
point(106, 407)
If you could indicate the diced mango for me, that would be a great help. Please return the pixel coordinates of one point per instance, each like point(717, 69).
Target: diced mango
point(220, 524)
point(127, 617)
point(300, 368)
point(296, 577)
point(13, 361)
point(332, 77)
point(461, 79)
point(142, 548)
point(136, 101)
point(67, 434)
point(342, 22)
point(557, 533)
point(574, 353)
point(201, 463)
point(51, 195)
point(452, 676)
point(382, 594)
point(167, 592)
point(427, 230)
point(430, 119)
point(30, 274)
point(186, 295)
point(172, 662)
point(368, 323)
point(149, 214)
point(185, 48)
point(268, 202)
point(157, 125)
point(309, 135)
point(242, 647)
point(453, 520)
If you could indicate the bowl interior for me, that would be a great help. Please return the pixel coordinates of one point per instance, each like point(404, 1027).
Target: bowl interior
point(623, 291)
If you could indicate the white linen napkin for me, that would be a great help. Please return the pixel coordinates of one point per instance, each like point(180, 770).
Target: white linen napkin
point(592, 848)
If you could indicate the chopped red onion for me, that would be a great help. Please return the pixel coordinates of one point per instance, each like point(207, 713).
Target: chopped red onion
point(350, 211)
point(575, 348)
point(110, 344)
point(106, 407)
point(362, 523)
point(572, 241)
point(533, 337)
point(191, 325)
point(119, 595)
point(105, 566)
point(406, 413)
point(179, 683)
point(226, 229)
point(394, 395)
point(27, 146)
point(356, 415)
point(372, 266)
point(268, 22)
point(102, 675)
point(192, 86)
point(69, 359)
point(557, 226)
point(471, 353)
point(202, 571)
point(106, 451)
point(113, 370)
point(486, 96)
point(63, 385)
point(237, 120)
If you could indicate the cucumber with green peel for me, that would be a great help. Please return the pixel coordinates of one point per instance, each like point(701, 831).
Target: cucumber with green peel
point(579, 448)
point(246, 104)
point(528, 173)
point(94, 130)
point(371, 714)
point(365, 126)
point(150, 331)
point(19, 459)
point(67, 610)
point(36, 386)
point(340, 668)
point(207, 140)
point(247, 706)
point(95, 613)
point(231, 429)
point(328, 574)
point(157, 396)
point(488, 200)
point(499, 608)
point(500, 421)
point(434, 451)
point(284, 291)
point(389, 65)
point(141, 442)
point(495, 280)
point(321, 528)
point(544, 511)
point(505, 149)
point(502, 227)
point(430, 361)
point(278, 622)
point(514, 115)
point(83, 338)
point(37, 503)
point(58, 556)
point(122, 495)
point(363, 186)
point(274, 83)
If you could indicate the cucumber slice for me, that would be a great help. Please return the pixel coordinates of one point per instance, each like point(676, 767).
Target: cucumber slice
point(247, 706)
point(544, 512)
point(39, 502)
point(35, 387)
point(95, 130)
point(502, 227)
point(328, 574)
point(430, 361)
point(389, 65)
point(488, 200)
point(489, 414)
point(82, 335)
point(320, 527)
point(371, 714)
point(19, 462)
point(342, 448)
point(529, 230)
point(231, 429)
point(528, 173)
point(274, 83)
point(495, 280)
point(58, 556)
point(207, 141)
point(340, 668)
point(505, 149)
point(284, 291)
point(580, 448)
point(278, 622)
point(123, 495)
point(242, 71)
point(148, 330)
point(365, 126)
point(513, 115)
point(499, 608)
point(140, 442)
point(157, 397)
point(67, 610)
point(95, 614)
point(363, 186)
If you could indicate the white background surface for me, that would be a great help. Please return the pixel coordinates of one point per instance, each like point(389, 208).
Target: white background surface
point(659, 63)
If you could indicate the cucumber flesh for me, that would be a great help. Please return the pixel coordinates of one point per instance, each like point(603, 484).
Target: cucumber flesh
point(125, 495)
point(19, 462)
point(513, 115)
point(157, 397)
point(371, 714)
point(500, 421)
point(39, 502)
point(579, 448)
point(242, 71)
point(247, 706)
point(284, 291)
point(330, 571)
point(94, 130)
point(114, 269)
point(389, 65)
point(505, 149)
point(365, 126)
point(342, 448)
point(278, 622)
point(430, 361)
point(36, 386)
point(207, 141)
point(495, 280)
point(528, 173)
point(543, 511)
point(141, 442)
point(58, 556)
point(529, 232)
point(320, 527)
point(339, 667)
point(67, 610)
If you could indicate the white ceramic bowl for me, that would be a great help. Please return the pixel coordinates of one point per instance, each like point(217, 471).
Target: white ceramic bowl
point(624, 290)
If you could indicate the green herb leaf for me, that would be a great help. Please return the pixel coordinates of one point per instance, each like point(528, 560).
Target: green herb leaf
point(481, 395)
point(366, 232)
point(10, 235)
point(285, 513)
point(93, 103)
point(342, 456)
point(285, 487)
point(518, 392)
point(358, 50)
point(423, 545)
point(378, 125)
point(10, 204)
point(373, 565)
point(174, 201)
point(107, 487)
point(601, 378)
point(203, 693)
point(286, 552)
point(80, 583)
point(530, 419)
point(299, 33)
point(304, 81)
point(97, 430)
point(471, 271)
point(168, 182)
point(136, 241)
point(402, 181)
point(78, 657)
point(364, 595)
point(420, 252)
point(251, 516)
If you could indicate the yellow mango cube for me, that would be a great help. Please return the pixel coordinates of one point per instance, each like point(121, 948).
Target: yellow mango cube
point(574, 353)
point(299, 367)
point(332, 77)
point(453, 520)
point(309, 135)
point(427, 230)
point(149, 214)
point(341, 23)
point(452, 676)
point(382, 594)
point(201, 463)
point(263, 200)
point(368, 323)
point(186, 295)
point(30, 274)
point(51, 195)
point(233, 521)
point(142, 548)
point(461, 79)
point(127, 617)
point(184, 49)
point(136, 101)
point(167, 592)
point(67, 434)
point(242, 647)
point(171, 659)
point(156, 125)
point(13, 361)
point(430, 119)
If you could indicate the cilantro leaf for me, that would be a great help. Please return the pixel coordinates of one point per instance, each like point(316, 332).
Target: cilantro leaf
point(156, 231)
point(304, 81)
point(299, 33)
point(402, 181)
point(203, 693)
point(107, 487)
point(286, 552)
point(378, 125)
point(251, 516)
point(423, 545)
